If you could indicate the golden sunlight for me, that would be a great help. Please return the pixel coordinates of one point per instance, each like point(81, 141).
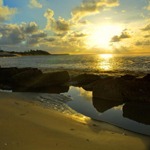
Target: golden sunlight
point(100, 36)
point(105, 63)
point(106, 56)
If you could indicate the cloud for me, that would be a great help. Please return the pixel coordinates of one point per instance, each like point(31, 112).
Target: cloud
point(147, 36)
point(36, 38)
point(5, 12)
point(79, 34)
point(50, 39)
point(35, 4)
point(1, 2)
point(143, 43)
point(29, 33)
point(124, 35)
point(147, 28)
point(11, 34)
point(148, 6)
point(121, 49)
point(60, 25)
point(30, 27)
point(89, 7)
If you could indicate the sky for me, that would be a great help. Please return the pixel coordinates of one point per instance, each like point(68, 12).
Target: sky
point(76, 26)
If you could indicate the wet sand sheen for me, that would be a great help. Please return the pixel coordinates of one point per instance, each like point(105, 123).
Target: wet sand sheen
point(24, 124)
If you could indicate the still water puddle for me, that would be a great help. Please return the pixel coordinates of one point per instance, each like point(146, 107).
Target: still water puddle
point(130, 116)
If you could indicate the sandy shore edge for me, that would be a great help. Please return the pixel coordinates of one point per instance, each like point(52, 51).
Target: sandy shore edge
point(24, 124)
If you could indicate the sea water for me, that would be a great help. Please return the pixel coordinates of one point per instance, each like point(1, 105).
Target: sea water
point(102, 63)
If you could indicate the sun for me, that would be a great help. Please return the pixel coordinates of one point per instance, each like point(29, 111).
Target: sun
point(100, 36)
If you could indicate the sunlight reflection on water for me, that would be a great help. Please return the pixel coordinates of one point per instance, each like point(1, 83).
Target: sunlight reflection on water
point(105, 62)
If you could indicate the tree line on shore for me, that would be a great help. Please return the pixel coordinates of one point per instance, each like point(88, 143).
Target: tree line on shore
point(29, 52)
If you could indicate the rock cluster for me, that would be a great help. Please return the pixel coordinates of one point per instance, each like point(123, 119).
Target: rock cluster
point(32, 79)
point(131, 92)
point(122, 89)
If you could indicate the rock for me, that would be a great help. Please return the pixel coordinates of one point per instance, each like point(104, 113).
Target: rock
point(89, 87)
point(120, 89)
point(137, 111)
point(50, 79)
point(32, 79)
point(103, 105)
point(26, 77)
point(51, 89)
point(35, 81)
point(147, 77)
point(108, 89)
point(128, 77)
point(136, 90)
point(84, 79)
point(6, 74)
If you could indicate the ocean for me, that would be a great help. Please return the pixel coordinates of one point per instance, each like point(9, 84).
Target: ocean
point(102, 63)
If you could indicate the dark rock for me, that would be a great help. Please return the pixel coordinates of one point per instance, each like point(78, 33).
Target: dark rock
point(90, 86)
point(122, 90)
point(84, 79)
point(7, 73)
point(32, 79)
point(137, 111)
point(108, 89)
point(147, 77)
point(137, 90)
point(103, 105)
point(128, 77)
point(50, 79)
point(26, 77)
point(51, 89)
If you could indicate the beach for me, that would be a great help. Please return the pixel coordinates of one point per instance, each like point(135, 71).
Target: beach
point(26, 124)
point(76, 78)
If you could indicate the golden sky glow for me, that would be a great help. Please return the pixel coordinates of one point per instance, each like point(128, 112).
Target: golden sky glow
point(100, 36)
point(82, 26)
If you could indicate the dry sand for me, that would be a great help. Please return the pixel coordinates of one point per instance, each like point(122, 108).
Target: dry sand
point(26, 125)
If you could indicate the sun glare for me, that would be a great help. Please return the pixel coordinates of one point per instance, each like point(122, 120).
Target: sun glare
point(106, 56)
point(100, 36)
point(105, 61)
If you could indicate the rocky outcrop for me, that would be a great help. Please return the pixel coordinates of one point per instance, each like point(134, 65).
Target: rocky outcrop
point(55, 78)
point(50, 89)
point(128, 77)
point(7, 75)
point(26, 77)
point(32, 79)
point(108, 89)
point(137, 90)
point(123, 89)
point(84, 79)
point(147, 77)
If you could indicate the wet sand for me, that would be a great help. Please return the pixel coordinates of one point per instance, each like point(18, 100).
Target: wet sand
point(27, 125)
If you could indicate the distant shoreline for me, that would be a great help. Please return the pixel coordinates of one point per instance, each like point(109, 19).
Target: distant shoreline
point(25, 53)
